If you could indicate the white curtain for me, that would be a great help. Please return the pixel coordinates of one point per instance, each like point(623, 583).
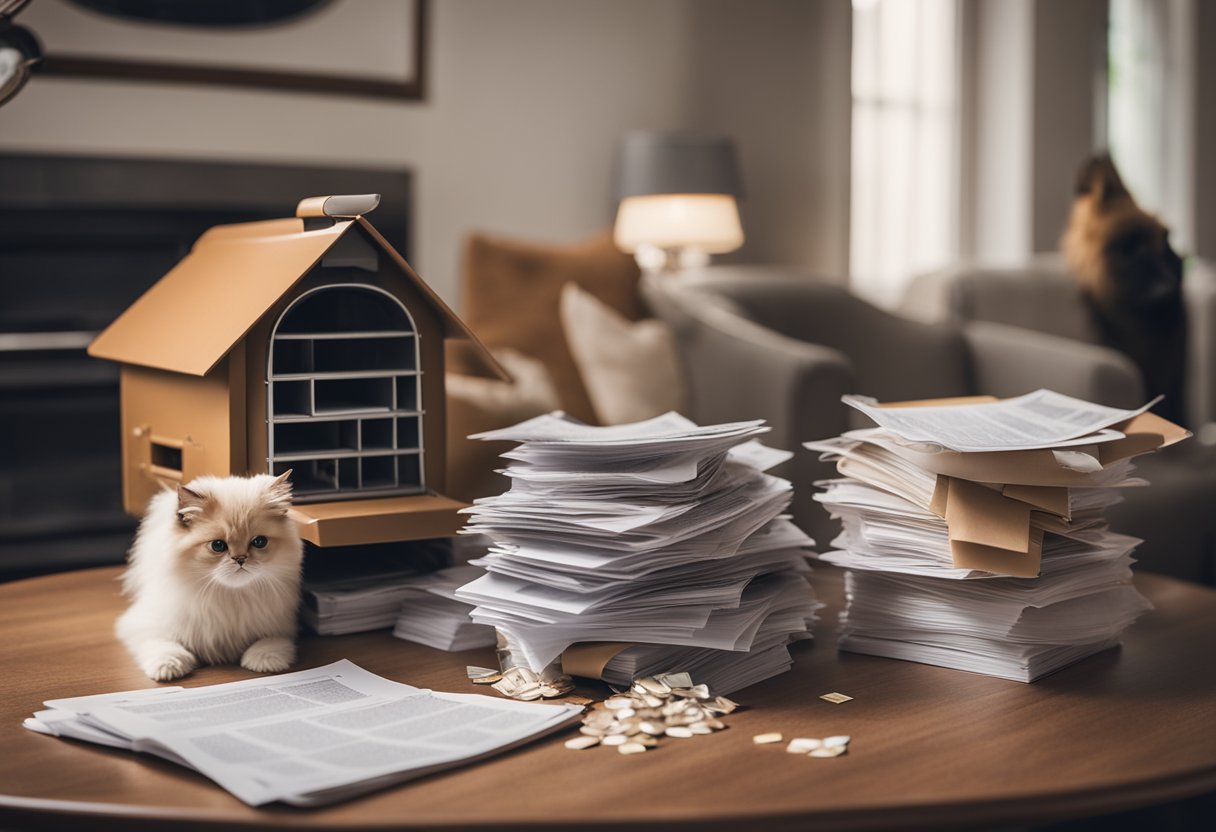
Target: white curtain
point(905, 168)
point(1136, 100)
point(1150, 126)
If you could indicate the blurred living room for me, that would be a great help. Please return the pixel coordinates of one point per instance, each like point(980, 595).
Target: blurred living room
point(555, 414)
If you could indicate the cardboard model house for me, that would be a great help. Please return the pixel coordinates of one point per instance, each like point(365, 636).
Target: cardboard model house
point(306, 344)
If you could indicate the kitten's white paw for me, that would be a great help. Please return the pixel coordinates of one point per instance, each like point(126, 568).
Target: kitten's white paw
point(269, 655)
point(170, 665)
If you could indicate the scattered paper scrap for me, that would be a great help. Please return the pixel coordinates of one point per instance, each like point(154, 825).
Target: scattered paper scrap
point(669, 705)
point(675, 680)
point(815, 747)
point(836, 698)
point(803, 745)
point(766, 739)
point(829, 751)
point(525, 684)
point(482, 675)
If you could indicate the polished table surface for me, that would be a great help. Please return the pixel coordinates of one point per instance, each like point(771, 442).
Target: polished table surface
point(931, 747)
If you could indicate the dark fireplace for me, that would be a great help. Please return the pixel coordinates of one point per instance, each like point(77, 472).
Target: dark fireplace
point(80, 239)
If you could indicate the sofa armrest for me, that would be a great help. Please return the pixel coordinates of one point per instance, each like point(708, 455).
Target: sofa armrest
point(1009, 361)
point(737, 369)
point(741, 370)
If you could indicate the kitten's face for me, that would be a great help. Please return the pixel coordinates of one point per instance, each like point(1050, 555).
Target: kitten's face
point(235, 532)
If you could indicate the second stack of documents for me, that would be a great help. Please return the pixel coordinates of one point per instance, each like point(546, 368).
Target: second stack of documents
point(975, 534)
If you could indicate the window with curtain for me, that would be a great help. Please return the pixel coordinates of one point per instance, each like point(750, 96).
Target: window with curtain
point(1136, 114)
point(1150, 98)
point(905, 169)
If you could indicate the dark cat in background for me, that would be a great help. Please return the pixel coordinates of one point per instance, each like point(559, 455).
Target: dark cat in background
point(1131, 278)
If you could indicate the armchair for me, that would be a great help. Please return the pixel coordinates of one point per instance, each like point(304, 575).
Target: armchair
point(785, 346)
point(1040, 295)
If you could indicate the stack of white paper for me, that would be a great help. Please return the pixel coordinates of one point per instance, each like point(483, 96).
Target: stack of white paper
point(437, 618)
point(952, 565)
point(365, 591)
point(306, 738)
point(660, 533)
point(354, 605)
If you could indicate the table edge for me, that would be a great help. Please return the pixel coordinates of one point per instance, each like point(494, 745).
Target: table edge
point(1100, 800)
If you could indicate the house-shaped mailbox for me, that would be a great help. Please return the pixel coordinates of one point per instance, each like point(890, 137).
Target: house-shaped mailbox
point(306, 344)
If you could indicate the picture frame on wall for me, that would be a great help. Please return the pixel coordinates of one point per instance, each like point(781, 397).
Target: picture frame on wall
point(367, 48)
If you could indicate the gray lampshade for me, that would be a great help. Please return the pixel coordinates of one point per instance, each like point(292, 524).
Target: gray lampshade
point(677, 163)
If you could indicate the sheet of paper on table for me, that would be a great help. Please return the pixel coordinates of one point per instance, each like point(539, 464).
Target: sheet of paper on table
point(306, 738)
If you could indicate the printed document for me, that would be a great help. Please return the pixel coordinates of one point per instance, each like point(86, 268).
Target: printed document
point(305, 738)
point(1042, 419)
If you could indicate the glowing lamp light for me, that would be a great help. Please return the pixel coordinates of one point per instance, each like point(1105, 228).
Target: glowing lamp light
point(678, 199)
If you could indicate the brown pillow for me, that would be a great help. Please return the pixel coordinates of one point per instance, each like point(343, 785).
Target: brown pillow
point(512, 292)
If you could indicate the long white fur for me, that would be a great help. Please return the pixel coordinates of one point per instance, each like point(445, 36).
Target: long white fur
point(192, 606)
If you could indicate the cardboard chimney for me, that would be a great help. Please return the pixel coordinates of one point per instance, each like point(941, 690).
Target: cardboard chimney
point(306, 344)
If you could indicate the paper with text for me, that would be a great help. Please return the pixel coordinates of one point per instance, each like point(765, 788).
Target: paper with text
point(306, 738)
point(1042, 419)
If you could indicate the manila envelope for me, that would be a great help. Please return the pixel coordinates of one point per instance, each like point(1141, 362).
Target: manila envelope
point(988, 530)
point(1000, 529)
point(1051, 499)
point(1000, 561)
point(589, 658)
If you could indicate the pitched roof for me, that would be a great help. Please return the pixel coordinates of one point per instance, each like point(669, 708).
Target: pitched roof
point(194, 315)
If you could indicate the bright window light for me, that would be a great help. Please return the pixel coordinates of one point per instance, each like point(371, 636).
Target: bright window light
point(1136, 97)
point(905, 168)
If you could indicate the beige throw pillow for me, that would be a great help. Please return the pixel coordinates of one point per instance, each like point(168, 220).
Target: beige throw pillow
point(511, 296)
point(630, 369)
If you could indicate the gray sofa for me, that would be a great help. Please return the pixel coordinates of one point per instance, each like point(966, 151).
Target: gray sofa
point(1040, 295)
point(783, 345)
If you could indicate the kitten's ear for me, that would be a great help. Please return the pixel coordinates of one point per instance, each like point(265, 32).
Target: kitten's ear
point(278, 495)
point(189, 503)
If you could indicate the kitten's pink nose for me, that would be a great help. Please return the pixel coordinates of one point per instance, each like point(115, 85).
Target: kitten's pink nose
point(240, 559)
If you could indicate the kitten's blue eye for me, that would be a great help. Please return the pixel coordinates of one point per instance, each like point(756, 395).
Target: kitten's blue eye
point(259, 542)
point(219, 546)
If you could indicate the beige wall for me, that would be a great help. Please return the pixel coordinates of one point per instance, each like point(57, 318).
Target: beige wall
point(996, 118)
point(775, 74)
point(1204, 189)
point(1069, 67)
point(1030, 118)
point(527, 100)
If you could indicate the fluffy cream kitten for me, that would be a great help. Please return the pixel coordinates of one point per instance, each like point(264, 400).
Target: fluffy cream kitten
point(214, 577)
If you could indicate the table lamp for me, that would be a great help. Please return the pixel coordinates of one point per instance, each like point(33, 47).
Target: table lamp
point(677, 195)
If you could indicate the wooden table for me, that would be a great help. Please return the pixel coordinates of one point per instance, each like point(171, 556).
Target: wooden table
point(931, 747)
